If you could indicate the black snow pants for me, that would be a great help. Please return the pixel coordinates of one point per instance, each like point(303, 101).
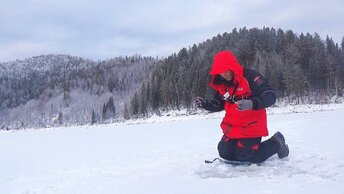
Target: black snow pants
point(246, 149)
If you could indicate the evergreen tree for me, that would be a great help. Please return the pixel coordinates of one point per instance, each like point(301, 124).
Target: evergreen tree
point(104, 115)
point(143, 101)
point(135, 104)
point(60, 118)
point(93, 118)
point(109, 109)
point(126, 114)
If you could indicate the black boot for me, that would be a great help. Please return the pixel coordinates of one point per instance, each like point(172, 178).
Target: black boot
point(283, 150)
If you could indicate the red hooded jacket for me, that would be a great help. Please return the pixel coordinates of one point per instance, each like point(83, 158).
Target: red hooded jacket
point(236, 123)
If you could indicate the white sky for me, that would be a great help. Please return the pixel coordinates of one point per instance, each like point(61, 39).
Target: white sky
point(101, 29)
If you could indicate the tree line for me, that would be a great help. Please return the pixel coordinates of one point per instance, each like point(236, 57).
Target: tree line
point(52, 90)
point(302, 68)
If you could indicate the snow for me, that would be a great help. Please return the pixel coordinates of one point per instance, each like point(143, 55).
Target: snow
point(166, 155)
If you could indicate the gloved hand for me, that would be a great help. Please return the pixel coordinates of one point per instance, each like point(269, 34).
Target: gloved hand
point(245, 105)
point(200, 102)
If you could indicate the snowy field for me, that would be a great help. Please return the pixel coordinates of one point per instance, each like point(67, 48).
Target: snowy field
point(166, 155)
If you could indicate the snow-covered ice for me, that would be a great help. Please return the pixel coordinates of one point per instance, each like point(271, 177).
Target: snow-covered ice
point(168, 157)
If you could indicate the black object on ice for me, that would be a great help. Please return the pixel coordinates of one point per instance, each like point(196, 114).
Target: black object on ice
point(209, 162)
point(232, 162)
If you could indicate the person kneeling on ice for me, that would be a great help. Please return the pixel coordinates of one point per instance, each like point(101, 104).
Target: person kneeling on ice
point(244, 94)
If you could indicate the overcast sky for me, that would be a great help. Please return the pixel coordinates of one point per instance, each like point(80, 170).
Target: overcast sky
point(101, 29)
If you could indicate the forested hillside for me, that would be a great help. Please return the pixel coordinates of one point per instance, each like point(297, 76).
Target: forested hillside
point(53, 90)
point(303, 68)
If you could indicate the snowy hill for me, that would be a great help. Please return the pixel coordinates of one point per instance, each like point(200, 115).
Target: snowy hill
point(168, 157)
point(34, 91)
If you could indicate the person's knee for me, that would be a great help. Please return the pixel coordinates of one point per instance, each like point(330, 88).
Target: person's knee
point(245, 154)
point(224, 151)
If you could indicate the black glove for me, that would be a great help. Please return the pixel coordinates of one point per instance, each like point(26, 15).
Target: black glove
point(200, 102)
point(245, 105)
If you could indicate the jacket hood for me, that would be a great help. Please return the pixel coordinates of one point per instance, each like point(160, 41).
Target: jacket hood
point(224, 61)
